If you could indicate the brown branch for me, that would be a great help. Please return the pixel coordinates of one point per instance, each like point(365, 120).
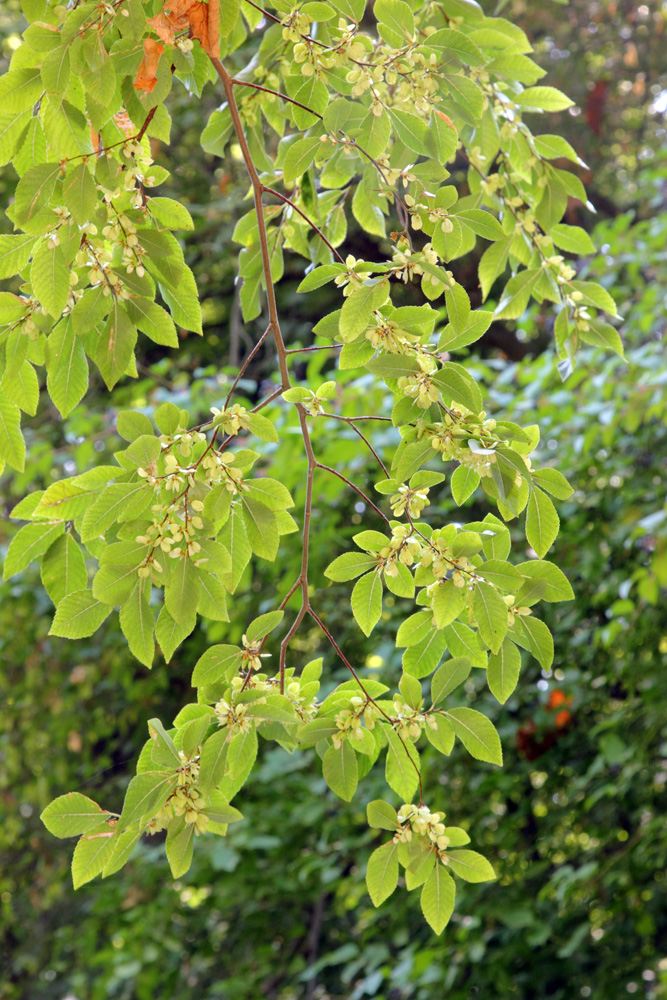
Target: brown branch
point(327, 468)
point(288, 201)
point(247, 361)
point(276, 93)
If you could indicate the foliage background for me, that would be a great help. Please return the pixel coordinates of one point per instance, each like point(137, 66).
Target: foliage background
point(574, 821)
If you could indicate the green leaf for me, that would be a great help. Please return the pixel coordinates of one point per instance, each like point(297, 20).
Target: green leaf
point(171, 213)
point(63, 569)
point(402, 769)
point(110, 506)
point(490, 613)
point(448, 677)
point(382, 873)
point(212, 599)
point(482, 223)
point(12, 445)
point(574, 239)
point(212, 761)
point(71, 815)
point(463, 484)
point(516, 294)
point(79, 615)
point(542, 99)
point(181, 595)
point(542, 522)
point(340, 770)
point(410, 130)
point(262, 528)
point(367, 601)
point(91, 854)
point(261, 626)
point(477, 733)
point(500, 573)
point(437, 899)
point(33, 191)
point(179, 846)
point(448, 602)
point(396, 23)
point(115, 347)
point(152, 320)
point(442, 737)
point(393, 365)
point(170, 634)
point(14, 254)
point(30, 541)
point(503, 671)
point(163, 749)
point(456, 384)
point(532, 634)
point(381, 816)
point(556, 585)
point(137, 624)
point(66, 368)
point(80, 193)
point(298, 158)
point(146, 795)
point(553, 482)
point(471, 866)
point(218, 663)
point(270, 492)
point(349, 566)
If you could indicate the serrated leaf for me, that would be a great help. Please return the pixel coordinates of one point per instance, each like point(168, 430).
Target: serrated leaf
point(542, 99)
point(448, 677)
point(146, 794)
point(477, 733)
point(28, 543)
point(367, 601)
point(341, 771)
point(381, 816)
point(12, 445)
point(463, 483)
point(79, 615)
point(179, 846)
point(91, 854)
point(137, 624)
point(181, 595)
point(471, 866)
point(170, 634)
point(71, 815)
point(63, 569)
point(437, 899)
point(503, 671)
point(490, 613)
point(448, 602)
point(382, 873)
point(349, 566)
point(66, 368)
point(261, 626)
point(542, 522)
point(217, 664)
point(402, 768)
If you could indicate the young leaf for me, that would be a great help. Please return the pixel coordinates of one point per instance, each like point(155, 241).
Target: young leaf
point(437, 899)
point(340, 770)
point(471, 866)
point(72, 814)
point(367, 602)
point(382, 873)
point(542, 522)
point(503, 671)
point(477, 733)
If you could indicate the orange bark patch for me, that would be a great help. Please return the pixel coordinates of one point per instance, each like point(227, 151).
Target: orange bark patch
point(146, 77)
